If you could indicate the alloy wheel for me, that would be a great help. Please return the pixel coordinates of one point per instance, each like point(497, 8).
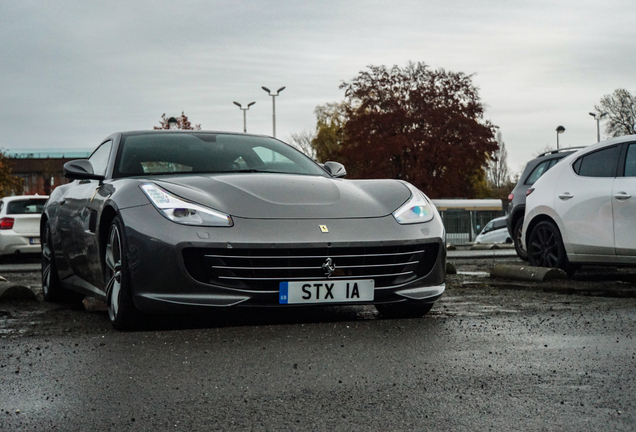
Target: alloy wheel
point(113, 265)
point(545, 247)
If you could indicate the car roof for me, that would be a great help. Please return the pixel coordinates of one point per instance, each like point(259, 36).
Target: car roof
point(558, 151)
point(19, 197)
point(187, 131)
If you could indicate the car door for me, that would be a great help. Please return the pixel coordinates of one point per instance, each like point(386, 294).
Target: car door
point(583, 202)
point(75, 210)
point(624, 205)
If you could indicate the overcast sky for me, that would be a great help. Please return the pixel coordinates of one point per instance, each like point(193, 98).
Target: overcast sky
point(73, 72)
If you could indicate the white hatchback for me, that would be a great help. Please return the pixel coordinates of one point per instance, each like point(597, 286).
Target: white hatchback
point(495, 231)
point(20, 224)
point(583, 211)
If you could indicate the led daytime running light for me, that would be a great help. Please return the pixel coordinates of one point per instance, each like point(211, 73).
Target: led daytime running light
point(184, 212)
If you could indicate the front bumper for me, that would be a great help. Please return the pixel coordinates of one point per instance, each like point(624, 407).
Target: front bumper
point(164, 277)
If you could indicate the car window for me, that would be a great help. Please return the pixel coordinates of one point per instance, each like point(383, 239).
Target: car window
point(1, 205)
point(165, 153)
point(630, 161)
point(27, 206)
point(601, 163)
point(541, 169)
point(99, 158)
point(499, 224)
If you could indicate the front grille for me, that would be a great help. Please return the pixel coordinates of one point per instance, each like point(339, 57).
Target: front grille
point(263, 269)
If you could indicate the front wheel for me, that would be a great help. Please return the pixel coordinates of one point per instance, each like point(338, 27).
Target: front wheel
point(404, 309)
point(521, 252)
point(545, 247)
point(121, 310)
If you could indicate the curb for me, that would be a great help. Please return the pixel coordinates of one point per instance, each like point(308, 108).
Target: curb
point(553, 289)
point(527, 273)
point(16, 293)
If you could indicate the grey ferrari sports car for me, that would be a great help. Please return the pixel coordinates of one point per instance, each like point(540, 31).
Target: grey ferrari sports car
point(173, 221)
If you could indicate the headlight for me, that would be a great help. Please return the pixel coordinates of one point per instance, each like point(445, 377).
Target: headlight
point(416, 210)
point(183, 212)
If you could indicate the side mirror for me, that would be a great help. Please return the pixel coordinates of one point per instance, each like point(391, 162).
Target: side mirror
point(335, 169)
point(81, 169)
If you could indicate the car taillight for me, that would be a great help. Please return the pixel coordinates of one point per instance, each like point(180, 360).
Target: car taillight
point(6, 223)
point(510, 197)
point(529, 191)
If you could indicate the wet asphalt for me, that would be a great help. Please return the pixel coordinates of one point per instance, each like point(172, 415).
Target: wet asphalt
point(483, 359)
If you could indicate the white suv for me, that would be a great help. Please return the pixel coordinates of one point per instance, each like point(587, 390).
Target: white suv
point(583, 211)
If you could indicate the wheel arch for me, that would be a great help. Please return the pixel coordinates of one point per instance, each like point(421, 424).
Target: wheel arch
point(517, 214)
point(43, 220)
point(108, 215)
point(535, 221)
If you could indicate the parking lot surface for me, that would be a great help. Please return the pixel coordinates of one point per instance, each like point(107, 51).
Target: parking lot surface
point(487, 357)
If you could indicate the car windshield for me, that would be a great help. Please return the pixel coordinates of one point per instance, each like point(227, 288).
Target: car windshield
point(200, 152)
point(27, 206)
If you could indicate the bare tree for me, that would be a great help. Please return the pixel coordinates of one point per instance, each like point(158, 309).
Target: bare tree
point(544, 149)
point(302, 141)
point(497, 171)
point(620, 107)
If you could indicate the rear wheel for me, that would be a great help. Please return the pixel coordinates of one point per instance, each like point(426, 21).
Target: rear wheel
point(404, 309)
point(121, 309)
point(545, 247)
point(521, 252)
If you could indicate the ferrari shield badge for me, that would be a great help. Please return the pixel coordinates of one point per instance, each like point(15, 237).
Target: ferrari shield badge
point(323, 228)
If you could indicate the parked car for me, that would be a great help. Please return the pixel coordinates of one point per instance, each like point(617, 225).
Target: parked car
point(517, 198)
point(20, 224)
point(582, 210)
point(495, 231)
point(163, 221)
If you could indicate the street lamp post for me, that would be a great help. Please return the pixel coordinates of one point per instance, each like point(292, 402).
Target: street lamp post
point(598, 125)
point(273, 105)
point(559, 130)
point(173, 123)
point(244, 113)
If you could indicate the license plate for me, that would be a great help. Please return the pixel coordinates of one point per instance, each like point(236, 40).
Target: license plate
point(326, 291)
point(34, 240)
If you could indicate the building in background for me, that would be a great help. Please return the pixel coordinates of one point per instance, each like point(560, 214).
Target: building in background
point(42, 170)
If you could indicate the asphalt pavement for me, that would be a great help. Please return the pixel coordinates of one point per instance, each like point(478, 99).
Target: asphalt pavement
point(483, 359)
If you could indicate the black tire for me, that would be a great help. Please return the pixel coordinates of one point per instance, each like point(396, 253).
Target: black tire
point(521, 252)
point(545, 247)
point(404, 309)
point(121, 310)
point(52, 289)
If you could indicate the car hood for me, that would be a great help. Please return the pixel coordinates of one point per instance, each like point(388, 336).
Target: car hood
point(289, 196)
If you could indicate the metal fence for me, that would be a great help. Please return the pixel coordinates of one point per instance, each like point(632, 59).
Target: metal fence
point(462, 226)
